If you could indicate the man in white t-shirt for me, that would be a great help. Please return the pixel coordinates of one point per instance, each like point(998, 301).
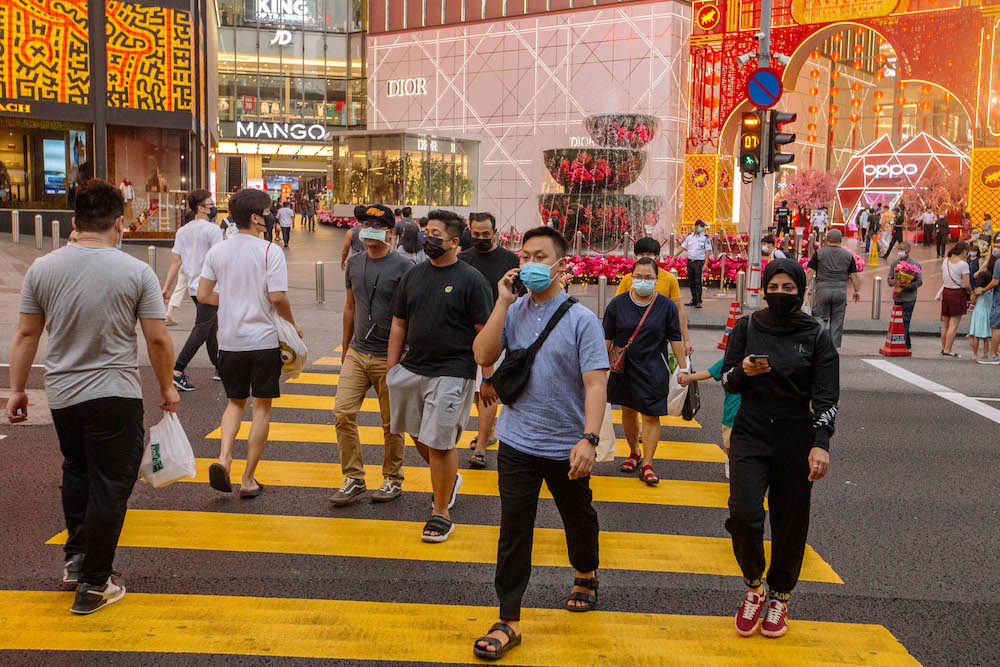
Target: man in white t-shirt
point(285, 217)
point(191, 243)
point(253, 283)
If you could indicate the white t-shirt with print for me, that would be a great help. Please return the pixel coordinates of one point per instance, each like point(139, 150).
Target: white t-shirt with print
point(247, 268)
point(285, 216)
point(192, 242)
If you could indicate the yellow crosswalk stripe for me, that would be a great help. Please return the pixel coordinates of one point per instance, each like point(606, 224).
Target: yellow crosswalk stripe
point(314, 402)
point(413, 633)
point(372, 435)
point(326, 379)
point(327, 361)
point(470, 543)
point(482, 483)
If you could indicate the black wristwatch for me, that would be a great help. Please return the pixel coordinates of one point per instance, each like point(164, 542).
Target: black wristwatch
point(593, 438)
point(488, 381)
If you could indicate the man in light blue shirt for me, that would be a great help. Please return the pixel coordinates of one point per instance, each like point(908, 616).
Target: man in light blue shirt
point(549, 432)
point(697, 245)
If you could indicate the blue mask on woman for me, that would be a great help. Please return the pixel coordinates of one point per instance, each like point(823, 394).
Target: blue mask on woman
point(643, 287)
point(536, 276)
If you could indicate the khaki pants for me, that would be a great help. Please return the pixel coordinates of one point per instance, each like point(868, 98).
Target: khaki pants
point(360, 373)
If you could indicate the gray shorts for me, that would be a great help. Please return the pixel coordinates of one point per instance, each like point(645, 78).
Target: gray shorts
point(432, 410)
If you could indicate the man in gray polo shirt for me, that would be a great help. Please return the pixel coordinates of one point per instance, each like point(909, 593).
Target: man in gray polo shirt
point(832, 266)
point(549, 433)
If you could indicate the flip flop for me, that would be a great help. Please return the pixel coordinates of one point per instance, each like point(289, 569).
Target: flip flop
point(477, 461)
point(438, 524)
point(248, 495)
point(218, 478)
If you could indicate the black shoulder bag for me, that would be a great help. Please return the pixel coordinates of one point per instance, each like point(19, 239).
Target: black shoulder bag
point(512, 376)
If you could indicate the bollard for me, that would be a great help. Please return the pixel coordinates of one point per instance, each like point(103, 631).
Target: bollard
point(798, 252)
point(55, 235)
point(38, 232)
point(15, 227)
point(578, 244)
point(741, 288)
point(320, 283)
point(722, 277)
point(602, 295)
point(627, 242)
point(877, 298)
point(151, 257)
point(672, 241)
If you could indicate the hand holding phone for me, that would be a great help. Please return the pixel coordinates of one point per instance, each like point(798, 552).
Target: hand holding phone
point(756, 364)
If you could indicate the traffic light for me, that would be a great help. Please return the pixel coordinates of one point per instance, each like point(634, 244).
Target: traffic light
point(750, 136)
point(777, 139)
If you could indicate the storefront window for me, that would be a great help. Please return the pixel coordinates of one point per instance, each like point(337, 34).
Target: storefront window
point(416, 178)
point(358, 18)
point(336, 15)
point(13, 166)
point(357, 56)
point(441, 179)
point(154, 162)
point(358, 102)
point(357, 185)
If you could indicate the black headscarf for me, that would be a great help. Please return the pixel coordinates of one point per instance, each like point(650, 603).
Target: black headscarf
point(765, 319)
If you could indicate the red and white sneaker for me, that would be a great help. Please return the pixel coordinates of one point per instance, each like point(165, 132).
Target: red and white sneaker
point(775, 619)
point(748, 615)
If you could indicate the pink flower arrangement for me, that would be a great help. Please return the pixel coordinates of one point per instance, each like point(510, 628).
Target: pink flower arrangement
point(587, 269)
point(328, 218)
point(908, 268)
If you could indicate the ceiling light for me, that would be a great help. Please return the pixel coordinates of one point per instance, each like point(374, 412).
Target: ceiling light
point(309, 150)
point(247, 149)
point(267, 149)
point(288, 149)
point(227, 146)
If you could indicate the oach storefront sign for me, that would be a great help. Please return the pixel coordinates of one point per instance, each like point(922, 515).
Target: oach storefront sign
point(298, 131)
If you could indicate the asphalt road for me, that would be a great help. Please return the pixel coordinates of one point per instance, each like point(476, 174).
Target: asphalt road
point(907, 519)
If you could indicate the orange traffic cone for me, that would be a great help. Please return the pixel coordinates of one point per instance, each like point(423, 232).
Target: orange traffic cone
point(895, 340)
point(734, 314)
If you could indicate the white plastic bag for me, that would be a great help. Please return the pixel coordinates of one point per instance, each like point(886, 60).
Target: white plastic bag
point(606, 445)
point(293, 349)
point(676, 394)
point(168, 456)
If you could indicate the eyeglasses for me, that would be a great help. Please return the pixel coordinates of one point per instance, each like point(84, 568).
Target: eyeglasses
point(378, 224)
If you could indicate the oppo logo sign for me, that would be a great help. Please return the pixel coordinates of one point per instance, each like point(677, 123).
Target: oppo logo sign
point(407, 87)
point(281, 131)
point(890, 170)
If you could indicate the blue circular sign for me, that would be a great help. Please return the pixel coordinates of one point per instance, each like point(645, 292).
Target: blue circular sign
point(764, 88)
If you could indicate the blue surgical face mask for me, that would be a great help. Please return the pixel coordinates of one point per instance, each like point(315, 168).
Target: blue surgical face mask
point(373, 234)
point(643, 286)
point(536, 276)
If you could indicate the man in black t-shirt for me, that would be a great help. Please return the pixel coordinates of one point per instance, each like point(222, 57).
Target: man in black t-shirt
point(493, 262)
point(783, 218)
point(440, 306)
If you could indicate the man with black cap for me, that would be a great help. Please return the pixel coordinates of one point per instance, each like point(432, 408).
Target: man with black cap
point(832, 266)
point(371, 281)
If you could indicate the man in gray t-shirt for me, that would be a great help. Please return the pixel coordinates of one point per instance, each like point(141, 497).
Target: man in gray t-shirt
point(832, 266)
point(371, 281)
point(89, 296)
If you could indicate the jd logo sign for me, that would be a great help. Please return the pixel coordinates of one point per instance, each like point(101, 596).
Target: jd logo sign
point(407, 87)
point(299, 131)
point(281, 38)
point(890, 170)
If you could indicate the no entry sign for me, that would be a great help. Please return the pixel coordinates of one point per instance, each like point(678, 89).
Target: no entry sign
point(764, 88)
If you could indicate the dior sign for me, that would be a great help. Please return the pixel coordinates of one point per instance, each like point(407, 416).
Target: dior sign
point(407, 87)
point(300, 131)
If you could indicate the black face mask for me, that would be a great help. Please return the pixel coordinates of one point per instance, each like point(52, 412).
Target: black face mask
point(433, 247)
point(482, 245)
point(783, 304)
point(212, 212)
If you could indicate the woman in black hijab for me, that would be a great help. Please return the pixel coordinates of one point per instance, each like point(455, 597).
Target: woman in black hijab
point(783, 364)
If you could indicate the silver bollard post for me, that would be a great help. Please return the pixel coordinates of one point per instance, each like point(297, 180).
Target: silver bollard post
point(671, 243)
point(151, 256)
point(320, 283)
point(877, 298)
point(722, 277)
point(602, 295)
point(627, 243)
point(578, 243)
point(798, 243)
point(15, 227)
point(55, 235)
point(741, 288)
point(38, 232)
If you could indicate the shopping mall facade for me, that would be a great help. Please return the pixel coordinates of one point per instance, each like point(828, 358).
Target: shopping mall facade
point(121, 88)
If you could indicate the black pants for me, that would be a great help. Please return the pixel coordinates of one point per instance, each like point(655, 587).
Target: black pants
point(101, 442)
point(772, 457)
point(206, 329)
point(928, 234)
point(942, 243)
point(269, 234)
point(521, 478)
point(897, 237)
point(285, 233)
point(694, 271)
point(907, 316)
point(311, 222)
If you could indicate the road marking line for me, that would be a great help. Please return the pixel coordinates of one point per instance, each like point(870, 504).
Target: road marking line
point(984, 398)
point(483, 483)
point(470, 543)
point(326, 379)
point(324, 402)
point(708, 452)
point(967, 402)
point(420, 633)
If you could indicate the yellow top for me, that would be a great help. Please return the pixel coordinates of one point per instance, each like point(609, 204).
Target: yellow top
point(666, 284)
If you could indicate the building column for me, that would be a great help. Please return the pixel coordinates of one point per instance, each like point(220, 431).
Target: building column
point(99, 85)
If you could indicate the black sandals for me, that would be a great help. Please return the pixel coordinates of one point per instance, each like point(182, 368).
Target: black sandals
point(501, 649)
point(589, 600)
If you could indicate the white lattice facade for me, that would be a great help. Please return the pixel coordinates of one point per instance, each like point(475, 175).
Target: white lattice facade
point(525, 85)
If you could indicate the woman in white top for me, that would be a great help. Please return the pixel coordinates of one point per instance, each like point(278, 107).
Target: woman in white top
point(954, 294)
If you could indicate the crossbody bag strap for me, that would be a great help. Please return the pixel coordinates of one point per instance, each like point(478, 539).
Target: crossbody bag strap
point(553, 321)
point(643, 319)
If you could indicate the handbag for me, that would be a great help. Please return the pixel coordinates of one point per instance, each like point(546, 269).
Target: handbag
point(616, 355)
point(510, 379)
point(692, 402)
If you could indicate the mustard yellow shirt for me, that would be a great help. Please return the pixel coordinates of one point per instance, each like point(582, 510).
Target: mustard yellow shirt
point(666, 284)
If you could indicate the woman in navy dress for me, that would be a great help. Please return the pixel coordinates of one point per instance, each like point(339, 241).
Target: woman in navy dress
point(643, 386)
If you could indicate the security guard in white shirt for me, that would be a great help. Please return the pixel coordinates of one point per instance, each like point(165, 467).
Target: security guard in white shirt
point(697, 245)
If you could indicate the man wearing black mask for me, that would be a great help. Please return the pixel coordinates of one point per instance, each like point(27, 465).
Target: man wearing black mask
point(487, 257)
point(785, 368)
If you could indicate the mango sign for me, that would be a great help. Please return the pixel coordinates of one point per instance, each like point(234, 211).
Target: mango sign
point(827, 11)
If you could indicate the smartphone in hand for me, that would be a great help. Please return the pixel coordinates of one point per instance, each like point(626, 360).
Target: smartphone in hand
point(754, 358)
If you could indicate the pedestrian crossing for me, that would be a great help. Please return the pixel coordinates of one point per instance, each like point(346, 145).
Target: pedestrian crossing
point(431, 632)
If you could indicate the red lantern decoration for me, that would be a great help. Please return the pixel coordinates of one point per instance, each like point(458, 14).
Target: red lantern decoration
point(879, 75)
point(813, 109)
point(948, 97)
point(832, 120)
point(855, 118)
point(815, 55)
point(856, 86)
point(859, 49)
point(835, 57)
point(857, 65)
point(834, 75)
point(712, 79)
point(859, 31)
point(811, 138)
point(837, 38)
point(900, 100)
point(925, 89)
point(811, 127)
point(877, 108)
point(925, 105)
point(855, 103)
point(814, 91)
point(814, 73)
point(833, 108)
point(880, 58)
point(901, 85)
point(711, 102)
point(878, 94)
point(834, 91)
point(881, 40)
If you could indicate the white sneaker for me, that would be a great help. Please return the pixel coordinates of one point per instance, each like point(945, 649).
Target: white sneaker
point(454, 490)
point(91, 598)
point(727, 467)
point(990, 361)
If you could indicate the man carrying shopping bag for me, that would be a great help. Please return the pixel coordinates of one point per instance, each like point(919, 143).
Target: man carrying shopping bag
point(88, 296)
